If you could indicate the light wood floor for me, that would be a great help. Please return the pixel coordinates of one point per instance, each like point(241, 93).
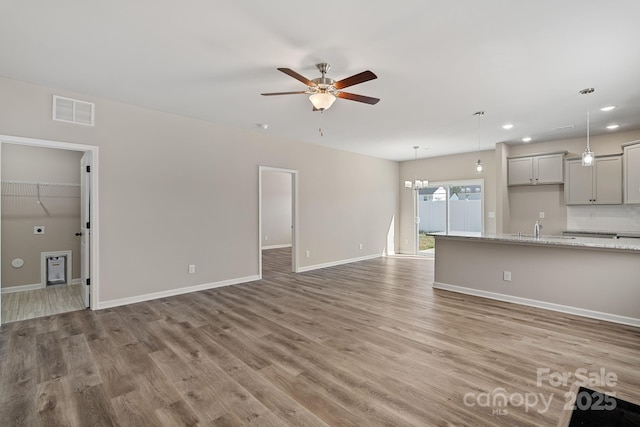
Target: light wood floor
point(41, 302)
point(364, 344)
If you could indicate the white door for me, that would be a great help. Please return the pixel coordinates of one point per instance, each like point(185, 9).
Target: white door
point(85, 226)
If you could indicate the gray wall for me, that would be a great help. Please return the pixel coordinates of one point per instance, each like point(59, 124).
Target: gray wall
point(517, 208)
point(176, 191)
point(603, 281)
point(525, 203)
point(58, 212)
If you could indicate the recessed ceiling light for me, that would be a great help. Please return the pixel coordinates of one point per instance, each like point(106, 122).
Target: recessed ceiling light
point(527, 139)
point(613, 126)
point(264, 126)
point(507, 126)
point(608, 108)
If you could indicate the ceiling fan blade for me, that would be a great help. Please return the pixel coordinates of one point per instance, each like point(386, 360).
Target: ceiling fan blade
point(362, 77)
point(303, 79)
point(283, 93)
point(359, 98)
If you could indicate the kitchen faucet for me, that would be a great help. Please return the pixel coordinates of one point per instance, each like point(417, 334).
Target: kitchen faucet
point(536, 229)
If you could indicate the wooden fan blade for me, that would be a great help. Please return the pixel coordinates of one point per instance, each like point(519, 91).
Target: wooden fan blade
point(359, 98)
point(283, 93)
point(303, 79)
point(362, 77)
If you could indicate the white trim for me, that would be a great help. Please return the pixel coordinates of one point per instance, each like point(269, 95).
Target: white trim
point(540, 304)
point(95, 241)
point(50, 254)
point(336, 263)
point(22, 288)
point(33, 287)
point(286, 245)
point(174, 292)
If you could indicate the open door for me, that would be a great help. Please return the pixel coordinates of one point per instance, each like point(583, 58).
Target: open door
point(85, 226)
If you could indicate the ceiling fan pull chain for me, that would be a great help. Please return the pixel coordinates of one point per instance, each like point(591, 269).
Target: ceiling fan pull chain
point(320, 127)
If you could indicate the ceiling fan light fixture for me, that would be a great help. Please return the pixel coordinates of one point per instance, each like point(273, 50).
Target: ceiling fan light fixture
point(322, 100)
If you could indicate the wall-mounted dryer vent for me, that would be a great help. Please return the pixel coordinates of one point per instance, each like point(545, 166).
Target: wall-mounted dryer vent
point(73, 111)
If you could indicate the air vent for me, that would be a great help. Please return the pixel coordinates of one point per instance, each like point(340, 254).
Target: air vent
point(73, 111)
point(563, 128)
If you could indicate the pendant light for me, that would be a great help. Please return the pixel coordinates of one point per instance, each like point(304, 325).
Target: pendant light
point(479, 165)
point(587, 156)
point(416, 184)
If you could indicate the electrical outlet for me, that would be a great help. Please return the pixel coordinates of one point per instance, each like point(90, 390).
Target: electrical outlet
point(506, 276)
point(192, 268)
point(541, 215)
point(266, 237)
point(307, 253)
point(38, 229)
point(360, 246)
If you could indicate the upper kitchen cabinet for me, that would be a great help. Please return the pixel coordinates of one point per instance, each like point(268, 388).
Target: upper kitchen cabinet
point(536, 169)
point(631, 172)
point(600, 184)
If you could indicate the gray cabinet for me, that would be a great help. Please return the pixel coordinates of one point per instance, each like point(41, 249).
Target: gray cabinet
point(536, 169)
point(600, 184)
point(631, 176)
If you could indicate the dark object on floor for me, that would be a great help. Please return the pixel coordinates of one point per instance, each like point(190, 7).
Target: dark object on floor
point(595, 409)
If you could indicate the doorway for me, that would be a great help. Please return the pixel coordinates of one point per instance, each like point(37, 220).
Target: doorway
point(81, 290)
point(448, 207)
point(277, 215)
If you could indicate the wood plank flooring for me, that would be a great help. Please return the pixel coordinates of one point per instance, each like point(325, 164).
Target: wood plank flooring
point(364, 344)
point(41, 302)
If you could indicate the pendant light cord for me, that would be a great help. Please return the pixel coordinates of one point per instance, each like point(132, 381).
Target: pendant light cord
point(588, 147)
point(587, 92)
point(479, 114)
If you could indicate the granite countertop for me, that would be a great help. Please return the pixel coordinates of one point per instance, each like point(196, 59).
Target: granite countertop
point(622, 243)
point(619, 234)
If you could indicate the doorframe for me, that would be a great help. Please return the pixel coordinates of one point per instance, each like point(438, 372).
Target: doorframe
point(94, 263)
point(294, 215)
point(448, 184)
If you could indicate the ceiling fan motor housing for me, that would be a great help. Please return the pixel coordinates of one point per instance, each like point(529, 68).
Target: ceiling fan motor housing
point(323, 82)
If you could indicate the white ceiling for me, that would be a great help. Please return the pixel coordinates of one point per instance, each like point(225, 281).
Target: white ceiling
point(437, 63)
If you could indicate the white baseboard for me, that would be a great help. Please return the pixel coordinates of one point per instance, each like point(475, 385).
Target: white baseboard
point(286, 245)
point(335, 263)
point(173, 292)
point(609, 317)
point(22, 288)
point(33, 287)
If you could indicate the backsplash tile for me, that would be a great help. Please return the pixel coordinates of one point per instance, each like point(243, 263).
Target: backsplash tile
point(604, 218)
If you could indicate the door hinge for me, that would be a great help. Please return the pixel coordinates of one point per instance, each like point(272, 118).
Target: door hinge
point(88, 168)
point(88, 281)
point(88, 225)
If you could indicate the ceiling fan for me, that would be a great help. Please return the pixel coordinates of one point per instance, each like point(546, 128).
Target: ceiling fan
point(323, 91)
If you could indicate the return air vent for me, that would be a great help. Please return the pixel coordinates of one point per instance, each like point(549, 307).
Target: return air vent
point(563, 128)
point(73, 111)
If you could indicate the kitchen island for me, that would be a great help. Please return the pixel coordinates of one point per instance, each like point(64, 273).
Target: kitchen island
point(592, 277)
